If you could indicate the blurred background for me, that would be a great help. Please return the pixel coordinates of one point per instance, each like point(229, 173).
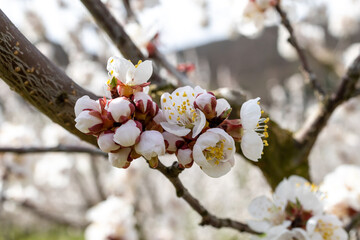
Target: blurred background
point(78, 196)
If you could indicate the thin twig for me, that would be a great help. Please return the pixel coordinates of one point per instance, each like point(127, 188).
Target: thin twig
point(123, 42)
point(355, 221)
point(309, 133)
point(26, 204)
point(60, 148)
point(96, 177)
point(172, 173)
point(308, 73)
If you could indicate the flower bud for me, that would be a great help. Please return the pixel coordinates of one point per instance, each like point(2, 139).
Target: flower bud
point(223, 108)
point(151, 144)
point(85, 103)
point(144, 104)
point(233, 127)
point(120, 109)
point(206, 102)
point(172, 142)
point(185, 158)
point(89, 122)
point(120, 159)
point(128, 133)
point(106, 142)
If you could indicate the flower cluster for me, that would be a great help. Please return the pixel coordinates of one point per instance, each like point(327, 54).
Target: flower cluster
point(342, 188)
point(192, 123)
point(296, 212)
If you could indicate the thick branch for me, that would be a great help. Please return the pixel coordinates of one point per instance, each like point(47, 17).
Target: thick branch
point(60, 148)
point(123, 42)
point(36, 79)
point(207, 218)
point(308, 73)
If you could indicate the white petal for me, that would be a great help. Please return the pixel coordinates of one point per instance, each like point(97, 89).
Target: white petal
point(106, 142)
point(197, 90)
point(251, 145)
point(218, 170)
point(204, 99)
point(260, 207)
point(259, 226)
point(143, 72)
point(120, 68)
point(171, 139)
point(250, 114)
point(141, 96)
point(175, 129)
point(120, 158)
point(151, 144)
point(127, 134)
point(85, 102)
point(199, 123)
point(221, 106)
point(84, 121)
point(159, 117)
point(119, 107)
point(184, 156)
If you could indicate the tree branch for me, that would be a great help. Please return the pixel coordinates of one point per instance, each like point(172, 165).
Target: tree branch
point(309, 133)
point(60, 148)
point(172, 173)
point(306, 69)
point(38, 80)
point(45, 215)
point(355, 221)
point(123, 42)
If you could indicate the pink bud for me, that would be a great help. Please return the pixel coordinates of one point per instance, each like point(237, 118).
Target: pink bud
point(106, 142)
point(128, 133)
point(120, 109)
point(120, 159)
point(151, 144)
point(172, 142)
point(144, 103)
point(206, 102)
point(85, 103)
point(185, 157)
point(89, 122)
point(233, 127)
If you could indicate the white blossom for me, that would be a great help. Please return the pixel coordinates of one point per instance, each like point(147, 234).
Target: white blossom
point(180, 114)
point(296, 211)
point(129, 74)
point(120, 109)
point(86, 103)
point(171, 141)
point(151, 144)
point(111, 219)
point(88, 121)
point(128, 133)
point(106, 142)
point(214, 152)
point(120, 158)
point(251, 143)
point(184, 156)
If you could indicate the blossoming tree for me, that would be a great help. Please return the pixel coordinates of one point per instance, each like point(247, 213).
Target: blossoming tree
point(136, 120)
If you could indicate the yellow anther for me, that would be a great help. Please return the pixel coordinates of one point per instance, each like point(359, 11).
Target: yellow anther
point(230, 149)
point(164, 100)
point(193, 95)
point(262, 111)
point(258, 103)
point(111, 72)
point(170, 97)
point(169, 117)
point(177, 94)
point(266, 135)
point(184, 95)
point(265, 143)
point(111, 60)
point(139, 62)
point(178, 119)
point(173, 104)
point(108, 82)
point(266, 120)
point(172, 113)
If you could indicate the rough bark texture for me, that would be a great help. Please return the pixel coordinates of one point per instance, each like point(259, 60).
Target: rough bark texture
point(38, 80)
